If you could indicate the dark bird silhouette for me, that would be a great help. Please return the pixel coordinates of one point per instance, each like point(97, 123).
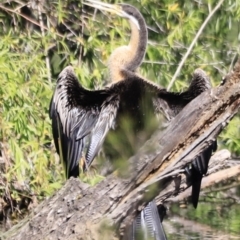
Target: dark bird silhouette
point(81, 118)
point(175, 103)
point(195, 171)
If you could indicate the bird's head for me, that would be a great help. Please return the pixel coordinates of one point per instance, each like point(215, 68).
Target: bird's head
point(122, 10)
point(128, 57)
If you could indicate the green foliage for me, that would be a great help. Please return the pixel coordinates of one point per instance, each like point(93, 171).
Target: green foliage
point(230, 136)
point(79, 36)
point(25, 125)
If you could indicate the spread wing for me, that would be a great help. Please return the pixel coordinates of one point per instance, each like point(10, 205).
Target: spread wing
point(171, 103)
point(79, 115)
point(105, 121)
point(200, 83)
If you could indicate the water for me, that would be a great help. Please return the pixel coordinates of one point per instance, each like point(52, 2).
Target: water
point(217, 217)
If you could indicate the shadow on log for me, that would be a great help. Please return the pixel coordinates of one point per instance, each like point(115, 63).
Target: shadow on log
point(78, 211)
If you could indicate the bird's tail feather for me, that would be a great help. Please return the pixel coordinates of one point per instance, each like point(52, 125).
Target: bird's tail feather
point(147, 225)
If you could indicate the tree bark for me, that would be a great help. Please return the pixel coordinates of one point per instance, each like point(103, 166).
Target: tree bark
point(78, 211)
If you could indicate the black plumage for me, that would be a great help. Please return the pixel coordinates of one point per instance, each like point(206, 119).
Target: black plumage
point(175, 103)
point(79, 115)
point(147, 224)
point(195, 171)
point(81, 118)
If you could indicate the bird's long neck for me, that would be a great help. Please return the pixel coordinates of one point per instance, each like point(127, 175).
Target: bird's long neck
point(129, 57)
point(137, 44)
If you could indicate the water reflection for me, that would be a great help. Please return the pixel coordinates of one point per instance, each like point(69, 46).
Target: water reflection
point(217, 217)
point(182, 228)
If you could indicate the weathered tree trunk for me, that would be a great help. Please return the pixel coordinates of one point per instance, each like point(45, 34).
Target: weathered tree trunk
point(78, 211)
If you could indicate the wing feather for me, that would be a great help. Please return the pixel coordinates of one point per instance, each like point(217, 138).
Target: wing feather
point(148, 224)
point(76, 113)
point(106, 121)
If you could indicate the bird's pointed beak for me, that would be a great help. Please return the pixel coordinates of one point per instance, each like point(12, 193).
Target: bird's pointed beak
point(116, 9)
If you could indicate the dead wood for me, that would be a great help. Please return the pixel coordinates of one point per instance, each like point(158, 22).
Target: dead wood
point(220, 170)
point(78, 211)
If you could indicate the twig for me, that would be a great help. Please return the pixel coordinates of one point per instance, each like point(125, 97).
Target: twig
point(193, 43)
point(81, 47)
point(35, 22)
point(46, 51)
point(232, 62)
point(161, 29)
point(190, 64)
point(221, 189)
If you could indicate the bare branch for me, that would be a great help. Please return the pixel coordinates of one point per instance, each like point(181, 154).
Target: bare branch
point(47, 60)
point(35, 22)
point(211, 13)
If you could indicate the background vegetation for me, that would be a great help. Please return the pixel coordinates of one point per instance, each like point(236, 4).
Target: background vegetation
point(40, 38)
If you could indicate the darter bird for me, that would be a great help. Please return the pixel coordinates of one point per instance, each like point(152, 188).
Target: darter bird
point(82, 118)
